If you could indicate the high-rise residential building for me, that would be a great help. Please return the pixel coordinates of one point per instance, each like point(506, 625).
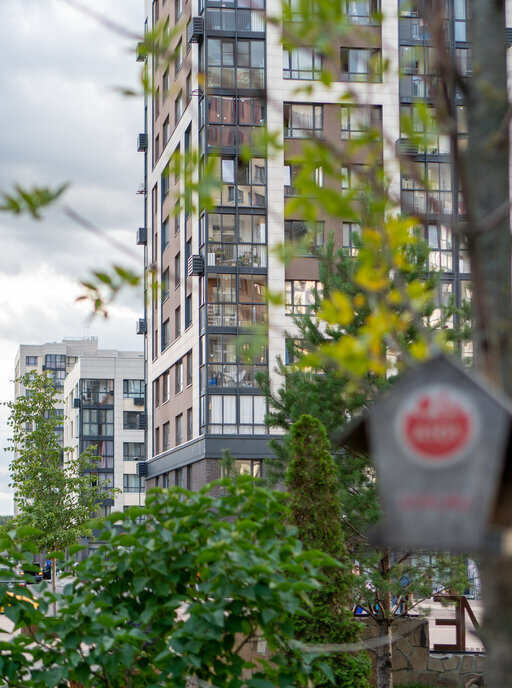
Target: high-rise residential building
point(232, 76)
point(101, 397)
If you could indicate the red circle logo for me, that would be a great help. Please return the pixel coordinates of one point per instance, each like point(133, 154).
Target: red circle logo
point(437, 424)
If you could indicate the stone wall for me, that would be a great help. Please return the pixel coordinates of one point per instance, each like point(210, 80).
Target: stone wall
point(414, 663)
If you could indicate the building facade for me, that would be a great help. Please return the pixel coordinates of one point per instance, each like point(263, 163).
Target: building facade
point(101, 398)
point(231, 77)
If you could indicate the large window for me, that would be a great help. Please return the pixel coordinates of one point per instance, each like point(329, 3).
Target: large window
point(243, 182)
point(361, 121)
point(133, 483)
point(440, 256)
point(234, 364)
point(178, 376)
point(302, 120)
point(361, 64)
point(55, 361)
point(417, 70)
point(301, 63)
point(437, 176)
point(131, 420)
point(422, 124)
point(236, 301)
point(308, 236)
point(103, 450)
point(237, 240)
point(166, 437)
point(362, 11)
point(234, 120)
point(239, 63)
point(300, 295)
point(134, 451)
point(179, 429)
point(231, 414)
point(235, 20)
point(30, 360)
point(97, 422)
point(133, 389)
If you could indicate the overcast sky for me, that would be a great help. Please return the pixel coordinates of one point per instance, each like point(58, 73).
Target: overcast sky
point(62, 119)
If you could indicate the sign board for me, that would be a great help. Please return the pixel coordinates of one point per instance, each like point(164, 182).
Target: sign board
point(438, 440)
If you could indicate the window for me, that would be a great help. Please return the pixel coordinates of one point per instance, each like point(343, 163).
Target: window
point(176, 164)
point(178, 57)
point(190, 371)
point(296, 182)
point(178, 377)
point(440, 256)
point(131, 420)
point(55, 361)
point(300, 295)
point(137, 519)
point(177, 323)
point(178, 108)
point(351, 237)
point(361, 121)
point(103, 450)
point(178, 477)
point(188, 311)
point(230, 365)
point(164, 184)
point(166, 386)
point(165, 84)
point(97, 422)
point(302, 121)
point(165, 284)
point(98, 392)
point(361, 64)
point(236, 63)
point(439, 197)
point(165, 132)
point(189, 424)
point(250, 467)
point(165, 481)
point(188, 88)
point(177, 270)
point(243, 182)
point(237, 240)
point(157, 148)
point(31, 360)
point(178, 9)
point(355, 178)
point(133, 483)
point(156, 393)
point(156, 448)
point(133, 389)
point(134, 451)
point(177, 218)
point(156, 103)
point(166, 437)
point(187, 142)
point(226, 310)
point(166, 334)
point(362, 11)
point(223, 414)
point(309, 236)
point(302, 63)
point(165, 234)
point(179, 429)
point(428, 136)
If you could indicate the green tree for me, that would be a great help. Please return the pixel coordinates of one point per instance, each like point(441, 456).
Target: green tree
point(316, 511)
point(56, 496)
point(177, 598)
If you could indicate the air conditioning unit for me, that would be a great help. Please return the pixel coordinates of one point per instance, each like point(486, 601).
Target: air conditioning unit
point(141, 52)
point(142, 326)
point(142, 236)
point(195, 266)
point(142, 142)
point(195, 30)
point(142, 469)
point(76, 403)
point(138, 401)
point(142, 421)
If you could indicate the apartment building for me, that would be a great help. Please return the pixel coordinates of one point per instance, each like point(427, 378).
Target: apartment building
point(104, 408)
point(101, 398)
point(231, 77)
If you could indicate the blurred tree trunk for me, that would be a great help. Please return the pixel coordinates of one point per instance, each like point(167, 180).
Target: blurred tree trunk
point(486, 187)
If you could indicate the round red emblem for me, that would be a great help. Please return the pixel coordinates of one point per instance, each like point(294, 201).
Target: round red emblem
point(437, 424)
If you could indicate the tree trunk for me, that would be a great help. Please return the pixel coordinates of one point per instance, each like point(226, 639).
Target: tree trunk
point(384, 666)
point(486, 191)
